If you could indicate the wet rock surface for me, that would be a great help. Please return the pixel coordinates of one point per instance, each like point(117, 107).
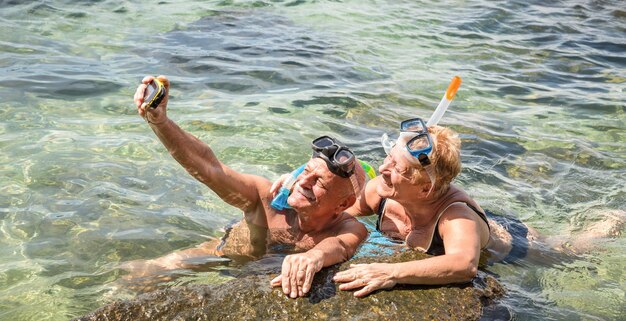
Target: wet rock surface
point(251, 298)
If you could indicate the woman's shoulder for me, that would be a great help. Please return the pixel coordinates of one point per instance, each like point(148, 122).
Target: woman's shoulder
point(456, 192)
point(456, 197)
point(458, 203)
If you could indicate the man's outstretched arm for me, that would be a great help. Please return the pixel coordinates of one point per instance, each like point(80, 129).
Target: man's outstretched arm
point(195, 156)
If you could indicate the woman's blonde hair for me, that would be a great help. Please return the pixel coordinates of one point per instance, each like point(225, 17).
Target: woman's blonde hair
point(445, 157)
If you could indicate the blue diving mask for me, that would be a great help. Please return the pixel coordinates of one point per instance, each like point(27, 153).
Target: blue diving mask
point(417, 143)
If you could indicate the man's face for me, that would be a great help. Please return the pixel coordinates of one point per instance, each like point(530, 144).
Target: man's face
point(318, 190)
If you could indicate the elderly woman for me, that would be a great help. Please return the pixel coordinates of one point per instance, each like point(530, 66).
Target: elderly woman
point(416, 202)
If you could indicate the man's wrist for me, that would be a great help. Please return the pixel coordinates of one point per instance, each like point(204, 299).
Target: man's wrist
point(318, 255)
point(157, 123)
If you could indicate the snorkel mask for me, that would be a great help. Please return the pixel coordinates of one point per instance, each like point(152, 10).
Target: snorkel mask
point(415, 141)
point(415, 144)
point(338, 157)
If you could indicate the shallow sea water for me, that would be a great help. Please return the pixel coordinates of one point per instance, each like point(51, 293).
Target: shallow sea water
point(86, 185)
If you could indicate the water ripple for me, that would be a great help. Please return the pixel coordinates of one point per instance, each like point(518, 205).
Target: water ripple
point(86, 184)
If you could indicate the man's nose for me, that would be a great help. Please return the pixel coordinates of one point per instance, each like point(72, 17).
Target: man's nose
point(306, 180)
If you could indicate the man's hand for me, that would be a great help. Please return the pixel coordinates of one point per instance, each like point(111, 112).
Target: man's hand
point(156, 115)
point(278, 183)
point(369, 277)
point(298, 271)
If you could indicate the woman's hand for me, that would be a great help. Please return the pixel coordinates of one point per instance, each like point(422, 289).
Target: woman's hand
point(156, 115)
point(368, 277)
point(297, 273)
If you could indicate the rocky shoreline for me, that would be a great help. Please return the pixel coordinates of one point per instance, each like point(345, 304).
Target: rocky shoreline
point(251, 298)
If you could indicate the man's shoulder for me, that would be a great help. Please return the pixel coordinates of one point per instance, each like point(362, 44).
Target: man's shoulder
point(259, 181)
point(347, 221)
point(262, 186)
point(346, 217)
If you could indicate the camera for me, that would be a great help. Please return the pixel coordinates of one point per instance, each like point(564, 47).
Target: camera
point(154, 93)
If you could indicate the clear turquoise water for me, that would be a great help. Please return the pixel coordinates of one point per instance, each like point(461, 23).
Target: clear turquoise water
point(86, 185)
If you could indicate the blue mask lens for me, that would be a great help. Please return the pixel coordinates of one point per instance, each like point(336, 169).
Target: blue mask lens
point(415, 125)
point(420, 146)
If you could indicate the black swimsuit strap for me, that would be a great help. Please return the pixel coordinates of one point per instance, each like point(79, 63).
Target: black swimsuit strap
point(481, 214)
point(379, 212)
point(436, 245)
point(381, 208)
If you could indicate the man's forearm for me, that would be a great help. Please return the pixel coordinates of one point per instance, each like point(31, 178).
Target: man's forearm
point(193, 154)
point(332, 251)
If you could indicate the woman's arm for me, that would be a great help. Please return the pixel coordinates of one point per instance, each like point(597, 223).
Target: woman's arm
point(461, 234)
point(367, 202)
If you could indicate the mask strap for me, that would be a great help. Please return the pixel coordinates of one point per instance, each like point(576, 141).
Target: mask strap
point(431, 175)
point(387, 143)
point(355, 185)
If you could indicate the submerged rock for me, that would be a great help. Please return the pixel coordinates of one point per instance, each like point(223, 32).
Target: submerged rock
point(251, 298)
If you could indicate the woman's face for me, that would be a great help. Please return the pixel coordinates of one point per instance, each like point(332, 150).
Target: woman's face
point(402, 179)
point(396, 176)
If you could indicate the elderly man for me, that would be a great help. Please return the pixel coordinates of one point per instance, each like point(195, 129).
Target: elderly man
point(316, 225)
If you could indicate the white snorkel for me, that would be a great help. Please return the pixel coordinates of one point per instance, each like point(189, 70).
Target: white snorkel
point(433, 120)
point(445, 101)
point(406, 136)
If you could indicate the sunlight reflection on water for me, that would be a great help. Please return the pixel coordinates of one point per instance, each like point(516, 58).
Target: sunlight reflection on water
point(86, 185)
